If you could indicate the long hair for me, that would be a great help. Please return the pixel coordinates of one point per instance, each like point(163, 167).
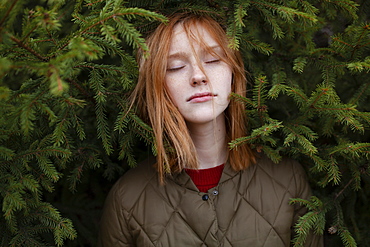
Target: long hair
point(174, 146)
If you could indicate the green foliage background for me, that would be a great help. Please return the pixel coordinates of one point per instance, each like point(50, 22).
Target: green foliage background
point(66, 68)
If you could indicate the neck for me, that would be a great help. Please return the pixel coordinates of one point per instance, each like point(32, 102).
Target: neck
point(210, 142)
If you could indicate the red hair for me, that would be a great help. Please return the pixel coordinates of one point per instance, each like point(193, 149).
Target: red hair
point(174, 147)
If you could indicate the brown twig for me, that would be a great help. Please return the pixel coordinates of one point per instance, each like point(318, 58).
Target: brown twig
point(7, 13)
point(21, 44)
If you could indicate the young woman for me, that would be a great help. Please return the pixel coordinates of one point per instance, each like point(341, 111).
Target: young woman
point(197, 192)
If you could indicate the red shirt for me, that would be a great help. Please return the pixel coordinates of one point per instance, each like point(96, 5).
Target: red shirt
point(205, 179)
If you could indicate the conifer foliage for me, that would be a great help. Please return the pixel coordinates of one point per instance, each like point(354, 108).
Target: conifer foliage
point(66, 68)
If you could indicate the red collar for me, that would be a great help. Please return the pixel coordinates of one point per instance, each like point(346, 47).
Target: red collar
point(206, 179)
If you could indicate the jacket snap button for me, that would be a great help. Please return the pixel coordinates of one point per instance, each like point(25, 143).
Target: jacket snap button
point(205, 197)
point(215, 192)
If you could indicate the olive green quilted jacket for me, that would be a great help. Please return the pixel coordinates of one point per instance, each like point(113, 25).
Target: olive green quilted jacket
point(247, 208)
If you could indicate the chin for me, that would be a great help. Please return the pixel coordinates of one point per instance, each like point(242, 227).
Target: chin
point(201, 120)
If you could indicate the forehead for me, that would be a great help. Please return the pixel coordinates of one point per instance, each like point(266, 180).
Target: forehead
point(193, 36)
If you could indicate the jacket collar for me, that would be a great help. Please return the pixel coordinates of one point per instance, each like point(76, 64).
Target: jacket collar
point(228, 173)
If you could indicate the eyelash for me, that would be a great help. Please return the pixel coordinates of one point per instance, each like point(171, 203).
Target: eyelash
point(213, 61)
point(178, 68)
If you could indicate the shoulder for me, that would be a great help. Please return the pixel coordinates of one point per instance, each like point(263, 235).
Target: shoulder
point(132, 184)
point(144, 171)
point(284, 168)
point(288, 173)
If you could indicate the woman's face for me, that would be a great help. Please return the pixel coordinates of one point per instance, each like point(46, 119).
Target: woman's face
point(200, 96)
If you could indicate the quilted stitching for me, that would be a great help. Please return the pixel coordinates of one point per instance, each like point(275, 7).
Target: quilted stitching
point(175, 213)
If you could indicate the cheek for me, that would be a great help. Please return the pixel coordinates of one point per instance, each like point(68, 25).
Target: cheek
point(227, 85)
point(172, 91)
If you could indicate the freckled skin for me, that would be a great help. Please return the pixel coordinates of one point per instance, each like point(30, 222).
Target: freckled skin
point(200, 96)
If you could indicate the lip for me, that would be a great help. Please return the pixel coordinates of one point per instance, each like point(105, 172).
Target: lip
point(201, 97)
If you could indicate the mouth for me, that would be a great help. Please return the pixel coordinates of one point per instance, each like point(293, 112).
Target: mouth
point(201, 97)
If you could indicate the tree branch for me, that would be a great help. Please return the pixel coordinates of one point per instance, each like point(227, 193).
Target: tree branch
point(24, 46)
point(7, 13)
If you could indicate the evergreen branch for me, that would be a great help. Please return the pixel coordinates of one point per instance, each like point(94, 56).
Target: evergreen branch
point(80, 89)
point(261, 47)
point(299, 64)
point(292, 91)
point(78, 124)
point(341, 192)
point(259, 95)
point(127, 116)
point(12, 202)
point(348, 5)
point(271, 153)
point(285, 13)
point(96, 83)
point(100, 67)
point(332, 108)
point(339, 40)
point(333, 173)
point(262, 133)
point(237, 24)
point(302, 227)
point(364, 45)
point(64, 230)
point(242, 99)
point(29, 33)
point(51, 219)
point(133, 37)
point(95, 3)
point(309, 8)
point(27, 117)
point(357, 46)
point(126, 150)
point(296, 134)
point(29, 182)
point(276, 89)
point(6, 153)
point(29, 49)
point(314, 204)
point(78, 18)
point(50, 151)
point(85, 157)
point(239, 15)
point(351, 148)
point(125, 12)
point(288, 14)
point(148, 135)
point(198, 9)
point(59, 133)
point(109, 33)
point(314, 219)
point(103, 128)
point(353, 123)
point(239, 141)
point(359, 66)
point(361, 92)
point(7, 14)
point(322, 92)
point(320, 164)
point(277, 31)
point(346, 237)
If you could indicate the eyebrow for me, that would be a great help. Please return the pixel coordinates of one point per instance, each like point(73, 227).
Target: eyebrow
point(182, 54)
point(177, 55)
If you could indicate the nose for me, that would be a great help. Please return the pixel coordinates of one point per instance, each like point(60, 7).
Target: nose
point(198, 77)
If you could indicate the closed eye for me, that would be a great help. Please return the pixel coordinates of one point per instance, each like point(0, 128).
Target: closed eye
point(175, 68)
point(213, 61)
